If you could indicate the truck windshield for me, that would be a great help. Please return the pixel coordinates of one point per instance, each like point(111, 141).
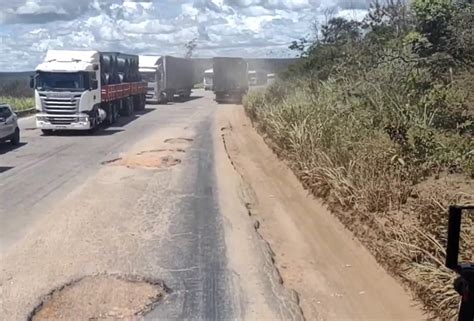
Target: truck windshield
point(148, 76)
point(60, 81)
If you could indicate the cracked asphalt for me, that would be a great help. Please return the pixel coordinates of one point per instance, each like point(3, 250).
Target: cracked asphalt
point(67, 214)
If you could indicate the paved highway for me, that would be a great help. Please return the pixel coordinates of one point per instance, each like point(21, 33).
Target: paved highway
point(66, 213)
point(179, 213)
point(43, 169)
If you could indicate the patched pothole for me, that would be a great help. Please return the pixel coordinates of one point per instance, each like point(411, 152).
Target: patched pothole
point(160, 158)
point(179, 140)
point(100, 297)
point(178, 150)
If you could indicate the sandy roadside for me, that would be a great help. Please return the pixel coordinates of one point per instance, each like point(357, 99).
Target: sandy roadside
point(335, 276)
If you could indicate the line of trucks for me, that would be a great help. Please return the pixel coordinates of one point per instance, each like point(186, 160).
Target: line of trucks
point(79, 90)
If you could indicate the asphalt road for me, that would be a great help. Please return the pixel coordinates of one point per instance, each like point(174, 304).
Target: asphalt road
point(65, 214)
point(43, 169)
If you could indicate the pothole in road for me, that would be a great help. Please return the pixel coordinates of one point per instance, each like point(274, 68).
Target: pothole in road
point(179, 140)
point(100, 297)
point(161, 158)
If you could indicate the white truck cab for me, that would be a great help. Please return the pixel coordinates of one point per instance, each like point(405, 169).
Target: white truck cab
point(149, 71)
point(67, 90)
point(252, 77)
point(208, 77)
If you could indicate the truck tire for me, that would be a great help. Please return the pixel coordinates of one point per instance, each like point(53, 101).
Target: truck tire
point(143, 101)
point(170, 96)
point(114, 111)
point(125, 108)
point(131, 106)
point(138, 103)
point(163, 99)
point(220, 98)
point(109, 110)
point(185, 95)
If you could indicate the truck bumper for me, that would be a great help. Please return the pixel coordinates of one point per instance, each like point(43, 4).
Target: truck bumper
point(63, 122)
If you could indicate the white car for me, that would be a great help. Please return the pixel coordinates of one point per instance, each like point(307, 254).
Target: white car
point(9, 130)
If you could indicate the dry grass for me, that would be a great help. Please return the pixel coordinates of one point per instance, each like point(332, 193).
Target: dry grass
point(391, 189)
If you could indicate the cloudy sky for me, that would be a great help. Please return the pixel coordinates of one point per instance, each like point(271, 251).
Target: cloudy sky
point(248, 28)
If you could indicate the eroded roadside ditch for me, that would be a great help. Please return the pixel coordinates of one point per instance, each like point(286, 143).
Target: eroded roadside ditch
point(288, 298)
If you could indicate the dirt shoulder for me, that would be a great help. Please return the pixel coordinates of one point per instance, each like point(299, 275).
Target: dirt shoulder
point(335, 276)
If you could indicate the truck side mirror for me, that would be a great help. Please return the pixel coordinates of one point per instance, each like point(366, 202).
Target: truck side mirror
point(94, 84)
point(32, 82)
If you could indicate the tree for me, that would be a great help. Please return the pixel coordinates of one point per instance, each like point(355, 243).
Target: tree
point(299, 46)
point(339, 30)
point(190, 46)
point(433, 20)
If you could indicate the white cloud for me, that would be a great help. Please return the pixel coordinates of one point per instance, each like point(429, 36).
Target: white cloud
point(252, 28)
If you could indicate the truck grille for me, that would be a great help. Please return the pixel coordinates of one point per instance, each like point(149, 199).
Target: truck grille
point(61, 105)
point(61, 120)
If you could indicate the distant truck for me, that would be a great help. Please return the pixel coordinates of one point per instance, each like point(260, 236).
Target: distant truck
point(167, 76)
point(252, 78)
point(208, 78)
point(270, 79)
point(230, 82)
point(78, 90)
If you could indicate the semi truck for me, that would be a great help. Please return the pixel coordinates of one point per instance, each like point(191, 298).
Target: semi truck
point(208, 76)
point(166, 77)
point(78, 90)
point(252, 78)
point(230, 82)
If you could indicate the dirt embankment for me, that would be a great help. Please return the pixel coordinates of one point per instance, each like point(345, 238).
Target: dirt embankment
point(335, 276)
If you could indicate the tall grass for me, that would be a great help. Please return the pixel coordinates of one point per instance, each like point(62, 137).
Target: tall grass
point(387, 161)
point(18, 103)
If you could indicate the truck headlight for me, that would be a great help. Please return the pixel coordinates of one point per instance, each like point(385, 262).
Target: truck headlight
point(83, 119)
point(40, 118)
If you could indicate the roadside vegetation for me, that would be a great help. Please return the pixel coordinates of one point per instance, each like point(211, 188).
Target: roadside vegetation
point(16, 93)
point(18, 103)
point(378, 119)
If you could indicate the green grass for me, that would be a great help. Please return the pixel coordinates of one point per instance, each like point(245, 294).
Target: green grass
point(18, 104)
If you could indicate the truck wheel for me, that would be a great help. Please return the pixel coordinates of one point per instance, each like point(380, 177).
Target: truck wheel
point(138, 103)
point(109, 118)
point(170, 96)
point(16, 137)
point(163, 99)
point(115, 114)
point(47, 132)
point(186, 95)
point(131, 106)
point(125, 108)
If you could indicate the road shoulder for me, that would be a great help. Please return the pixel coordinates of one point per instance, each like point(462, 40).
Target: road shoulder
point(257, 281)
point(334, 275)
